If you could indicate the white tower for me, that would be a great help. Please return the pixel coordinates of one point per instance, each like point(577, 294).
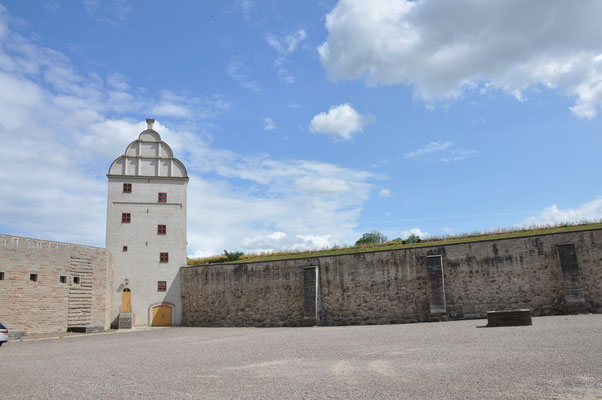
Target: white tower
point(146, 232)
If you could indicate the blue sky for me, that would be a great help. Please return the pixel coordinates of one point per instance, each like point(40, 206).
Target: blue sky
point(305, 124)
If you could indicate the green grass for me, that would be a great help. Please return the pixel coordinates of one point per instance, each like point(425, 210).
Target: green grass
point(503, 233)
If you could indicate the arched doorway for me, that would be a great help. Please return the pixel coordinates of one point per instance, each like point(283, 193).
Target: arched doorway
point(161, 315)
point(126, 301)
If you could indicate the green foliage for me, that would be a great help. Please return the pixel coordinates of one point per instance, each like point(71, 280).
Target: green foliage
point(233, 256)
point(207, 260)
point(413, 239)
point(371, 238)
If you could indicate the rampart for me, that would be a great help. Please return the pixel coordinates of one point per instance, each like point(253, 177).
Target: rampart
point(52, 287)
point(550, 274)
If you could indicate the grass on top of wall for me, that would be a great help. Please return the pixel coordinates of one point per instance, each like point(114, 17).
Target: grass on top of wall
point(502, 233)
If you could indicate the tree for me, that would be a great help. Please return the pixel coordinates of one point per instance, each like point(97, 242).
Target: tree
point(371, 238)
point(413, 239)
point(233, 256)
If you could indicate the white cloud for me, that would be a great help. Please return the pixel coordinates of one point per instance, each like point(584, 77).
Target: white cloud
point(226, 217)
point(415, 231)
point(172, 105)
point(285, 46)
point(109, 12)
point(448, 230)
point(52, 5)
point(240, 73)
point(429, 148)
point(279, 240)
point(342, 121)
point(314, 242)
point(245, 7)
point(277, 235)
point(322, 185)
point(109, 137)
point(384, 193)
point(170, 109)
point(60, 131)
point(288, 43)
point(459, 155)
point(296, 197)
point(117, 81)
point(380, 163)
point(443, 48)
point(268, 124)
point(591, 211)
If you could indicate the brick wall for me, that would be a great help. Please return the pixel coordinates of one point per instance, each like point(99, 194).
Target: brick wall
point(394, 286)
point(49, 305)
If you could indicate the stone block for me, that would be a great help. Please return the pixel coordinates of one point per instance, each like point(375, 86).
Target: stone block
point(125, 321)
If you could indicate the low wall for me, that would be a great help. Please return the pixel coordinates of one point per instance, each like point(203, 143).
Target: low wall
point(551, 274)
point(47, 304)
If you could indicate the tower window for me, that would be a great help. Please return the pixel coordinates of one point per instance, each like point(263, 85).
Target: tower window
point(161, 286)
point(126, 218)
point(127, 188)
point(125, 248)
point(33, 277)
point(1, 276)
point(76, 280)
point(161, 229)
point(163, 257)
point(63, 279)
point(162, 197)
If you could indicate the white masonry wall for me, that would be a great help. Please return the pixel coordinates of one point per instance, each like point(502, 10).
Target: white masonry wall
point(149, 166)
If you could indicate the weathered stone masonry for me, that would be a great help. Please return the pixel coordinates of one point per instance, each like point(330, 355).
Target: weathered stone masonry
point(551, 274)
point(49, 305)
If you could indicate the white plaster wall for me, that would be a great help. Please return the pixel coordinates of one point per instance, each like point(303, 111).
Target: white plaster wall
point(164, 167)
point(165, 151)
point(178, 169)
point(140, 264)
point(150, 172)
point(132, 166)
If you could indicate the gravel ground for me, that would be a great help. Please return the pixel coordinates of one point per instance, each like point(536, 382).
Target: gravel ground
point(555, 358)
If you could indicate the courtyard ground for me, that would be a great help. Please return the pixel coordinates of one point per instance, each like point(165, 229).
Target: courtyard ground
point(555, 358)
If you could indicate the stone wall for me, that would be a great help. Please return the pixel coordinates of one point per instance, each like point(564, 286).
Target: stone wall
point(395, 286)
point(49, 305)
point(243, 295)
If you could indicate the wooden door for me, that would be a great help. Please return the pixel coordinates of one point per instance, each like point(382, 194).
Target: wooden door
point(126, 301)
point(161, 315)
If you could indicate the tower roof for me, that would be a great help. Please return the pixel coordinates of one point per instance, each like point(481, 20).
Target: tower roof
point(149, 156)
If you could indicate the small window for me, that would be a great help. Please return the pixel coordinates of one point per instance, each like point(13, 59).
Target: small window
point(162, 197)
point(33, 277)
point(161, 229)
point(163, 257)
point(76, 280)
point(1, 276)
point(125, 248)
point(126, 218)
point(127, 188)
point(162, 286)
point(63, 279)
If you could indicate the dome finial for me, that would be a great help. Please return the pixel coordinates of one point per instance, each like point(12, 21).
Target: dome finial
point(149, 123)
